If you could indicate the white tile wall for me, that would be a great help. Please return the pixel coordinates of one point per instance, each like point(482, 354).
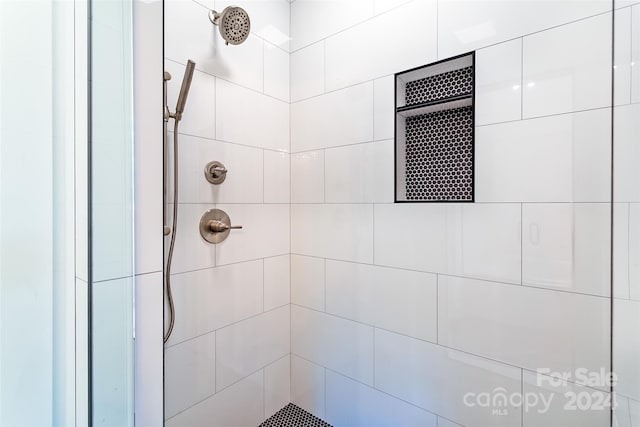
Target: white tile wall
point(277, 389)
point(336, 118)
point(307, 177)
point(265, 232)
point(498, 321)
point(307, 386)
point(307, 282)
point(622, 56)
point(635, 54)
point(307, 72)
point(276, 177)
point(247, 346)
point(276, 71)
point(566, 70)
point(481, 240)
point(626, 153)
point(564, 158)
point(567, 246)
point(209, 299)
point(626, 342)
point(464, 25)
point(383, 106)
point(191, 251)
point(620, 259)
point(350, 403)
point(364, 52)
point(361, 173)
point(189, 373)
point(634, 251)
point(436, 379)
point(276, 282)
point(499, 83)
point(313, 20)
point(333, 231)
point(241, 404)
point(398, 300)
point(555, 402)
point(339, 344)
point(247, 117)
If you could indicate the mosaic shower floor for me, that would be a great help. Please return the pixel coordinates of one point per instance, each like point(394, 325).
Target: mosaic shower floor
point(293, 416)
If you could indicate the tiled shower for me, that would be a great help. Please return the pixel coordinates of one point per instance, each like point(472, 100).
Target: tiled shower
point(366, 312)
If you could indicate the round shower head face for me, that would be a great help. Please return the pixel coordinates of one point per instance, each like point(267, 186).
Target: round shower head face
point(233, 23)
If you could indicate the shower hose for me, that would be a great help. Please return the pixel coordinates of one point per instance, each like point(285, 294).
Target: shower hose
point(172, 312)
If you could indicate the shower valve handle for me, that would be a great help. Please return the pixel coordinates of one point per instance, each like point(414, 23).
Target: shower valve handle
point(217, 226)
point(215, 172)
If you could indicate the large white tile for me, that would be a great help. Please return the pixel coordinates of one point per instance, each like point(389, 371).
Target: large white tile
point(206, 300)
point(634, 251)
point(382, 6)
point(276, 72)
point(361, 173)
point(307, 281)
point(265, 233)
point(276, 177)
point(333, 231)
point(269, 18)
point(313, 20)
point(383, 108)
point(199, 112)
point(244, 181)
point(620, 259)
point(277, 390)
point(622, 56)
point(481, 240)
point(307, 177)
point(364, 52)
point(626, 347)
point(276, 281)
point(465, 25)
point(251, 344)
point(337, 118)
point(568, 68)
point(621, 413)
point(555, 405)
point(498, 83)
point(552, 159)
point(498, 321)
point(190, 35)
point(307, 72)
point(350, 403)
point(338, 344)
point(398, 300)
point(443, 422)
point(626, 153)
point(567, 246)
point(307, 386)
point(191, 251)
point(189, 373)
point(250, 118)
point(438, 379)
point(241, 405)
point(635, 54)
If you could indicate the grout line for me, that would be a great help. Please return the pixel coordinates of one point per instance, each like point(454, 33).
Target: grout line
point(253, 316)
point(224, 265)
point(456, 276)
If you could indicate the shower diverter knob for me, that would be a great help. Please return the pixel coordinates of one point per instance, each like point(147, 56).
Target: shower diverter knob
point(215, 226)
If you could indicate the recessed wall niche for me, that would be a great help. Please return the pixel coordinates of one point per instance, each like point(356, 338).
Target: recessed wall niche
point(434, 132)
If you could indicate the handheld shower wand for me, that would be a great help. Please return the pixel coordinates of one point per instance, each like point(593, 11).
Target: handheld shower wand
point(177, 116)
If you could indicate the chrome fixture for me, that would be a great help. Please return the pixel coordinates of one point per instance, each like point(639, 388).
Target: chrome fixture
point(215, 172)
point(233, 23)
point(215, 226)
point(177, 116)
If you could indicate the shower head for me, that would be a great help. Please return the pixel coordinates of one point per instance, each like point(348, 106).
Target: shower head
point(233, 23)
point(184, 90)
